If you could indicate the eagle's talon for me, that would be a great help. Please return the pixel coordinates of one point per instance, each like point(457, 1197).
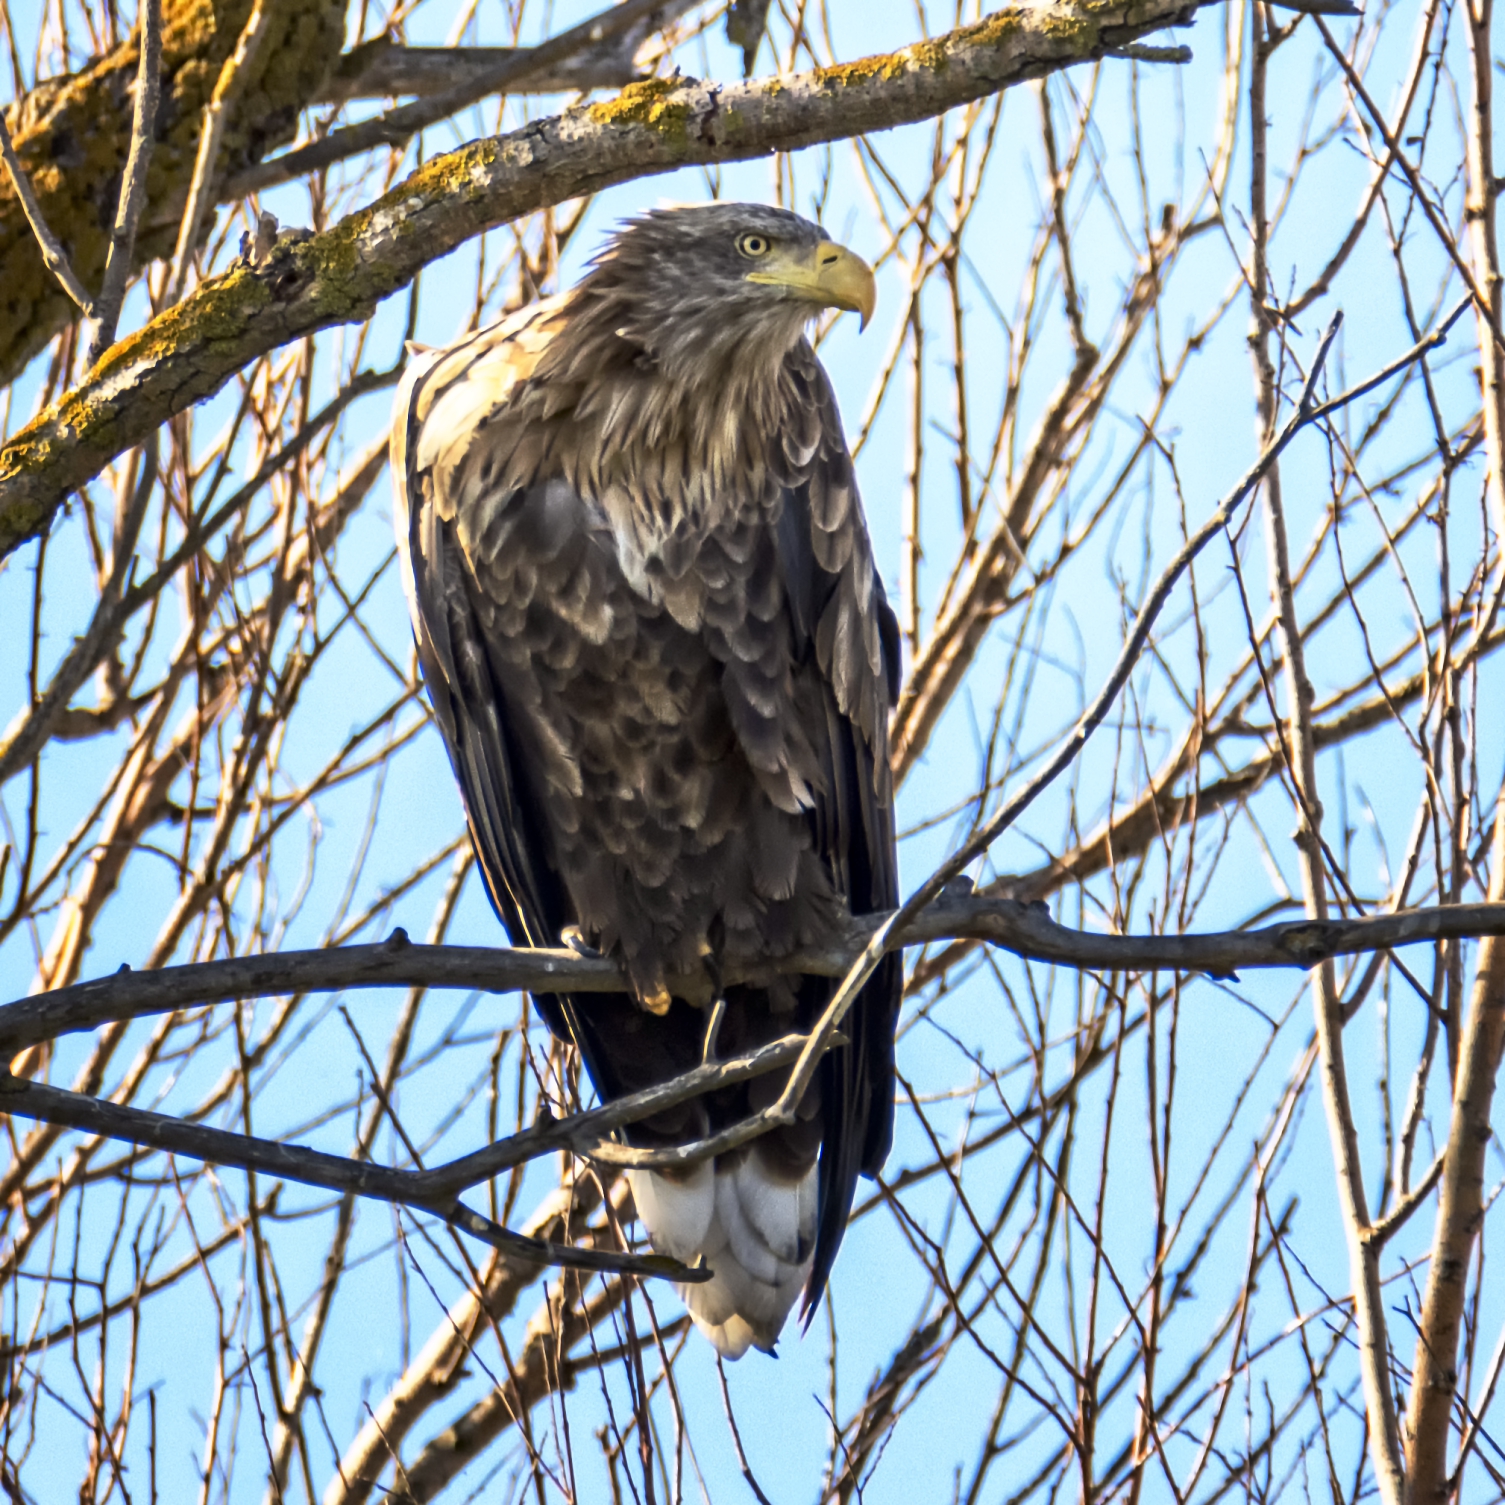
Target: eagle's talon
point(658, 1002)
point(574, 938)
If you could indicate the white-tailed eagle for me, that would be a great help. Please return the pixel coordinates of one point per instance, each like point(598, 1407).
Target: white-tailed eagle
point(663, 665)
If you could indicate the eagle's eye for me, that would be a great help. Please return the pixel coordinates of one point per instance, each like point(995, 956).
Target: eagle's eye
point(753, 245)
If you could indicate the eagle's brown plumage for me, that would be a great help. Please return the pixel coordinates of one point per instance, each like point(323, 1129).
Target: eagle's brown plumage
point(663, 664)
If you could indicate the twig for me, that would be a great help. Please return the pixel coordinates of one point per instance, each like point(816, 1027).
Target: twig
point(731, 1421)
point(1388, 1226)
point(21, 741)
point(1478, 1411)
point(52, 252)
point(1424, 346)
point(1141, 52)
point(106, 310)
point(232, 77)
point(1413, 178)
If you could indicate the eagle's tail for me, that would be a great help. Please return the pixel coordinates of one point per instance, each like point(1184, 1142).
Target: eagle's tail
point(754, 1226)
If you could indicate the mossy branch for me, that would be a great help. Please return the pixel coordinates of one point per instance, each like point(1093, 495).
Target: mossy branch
point(73, 136)
point(189, 352)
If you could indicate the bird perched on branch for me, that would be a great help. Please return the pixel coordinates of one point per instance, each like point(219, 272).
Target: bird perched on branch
point(663, 665)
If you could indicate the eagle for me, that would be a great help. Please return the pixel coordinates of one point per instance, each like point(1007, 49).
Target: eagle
point(663, 664)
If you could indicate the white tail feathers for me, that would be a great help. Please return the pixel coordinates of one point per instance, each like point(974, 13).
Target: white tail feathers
point(755, 1229)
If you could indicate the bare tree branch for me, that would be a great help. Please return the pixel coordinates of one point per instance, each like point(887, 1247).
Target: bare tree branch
point(1025, 929)
point(313, 1168)
point(228, 88)
point(384, 70)
point(1460, 1202)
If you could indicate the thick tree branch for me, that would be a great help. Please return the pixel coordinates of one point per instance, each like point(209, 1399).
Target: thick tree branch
point(1026, 930)
point(189, 352)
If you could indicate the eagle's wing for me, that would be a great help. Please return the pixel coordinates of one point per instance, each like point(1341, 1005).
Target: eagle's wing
point(846, 640)
point(457, 387)
point(505, 585)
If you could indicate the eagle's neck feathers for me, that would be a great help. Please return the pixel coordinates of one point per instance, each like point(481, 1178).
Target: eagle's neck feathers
point(716, 363)
point(666, 430)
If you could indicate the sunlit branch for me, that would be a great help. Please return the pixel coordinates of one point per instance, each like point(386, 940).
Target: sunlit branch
point(106, 309)
point(53, 255)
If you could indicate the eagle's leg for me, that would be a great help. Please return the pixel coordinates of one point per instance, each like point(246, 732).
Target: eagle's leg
point(712, 1029)
point(718, 1009)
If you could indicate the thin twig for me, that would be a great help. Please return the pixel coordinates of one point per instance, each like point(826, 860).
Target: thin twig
point(1388, 1226)
point(731, 1421)
point(53, 255)
point(232, 78)
point(106, 310)
point(1142, 52)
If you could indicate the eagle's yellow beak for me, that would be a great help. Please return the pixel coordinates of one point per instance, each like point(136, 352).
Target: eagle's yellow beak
point(827, 274)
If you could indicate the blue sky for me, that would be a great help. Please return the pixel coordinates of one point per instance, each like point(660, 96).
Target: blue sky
point(1067, 638)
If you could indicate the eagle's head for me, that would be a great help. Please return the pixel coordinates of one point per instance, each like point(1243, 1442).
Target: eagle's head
point(698, 286)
